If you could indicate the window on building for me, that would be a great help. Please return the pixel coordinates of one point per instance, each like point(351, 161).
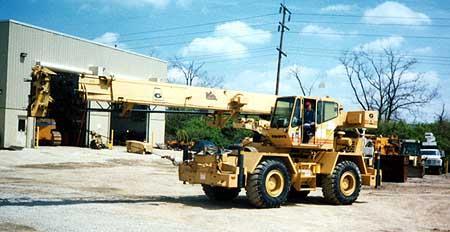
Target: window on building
point(21, 125)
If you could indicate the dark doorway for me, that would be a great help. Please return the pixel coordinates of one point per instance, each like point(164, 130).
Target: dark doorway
point(68, 109)
point(131, 127)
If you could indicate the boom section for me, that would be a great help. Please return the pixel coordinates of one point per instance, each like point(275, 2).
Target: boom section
point(143, 92)
point(110, 89)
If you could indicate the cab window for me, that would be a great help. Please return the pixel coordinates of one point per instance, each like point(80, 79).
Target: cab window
point(282, 113)
point(327, 111)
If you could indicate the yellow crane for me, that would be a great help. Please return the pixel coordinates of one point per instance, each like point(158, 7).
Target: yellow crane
point(309, 142)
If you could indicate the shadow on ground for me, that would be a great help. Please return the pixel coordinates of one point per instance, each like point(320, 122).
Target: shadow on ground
point(313, 200)
point(193, 201)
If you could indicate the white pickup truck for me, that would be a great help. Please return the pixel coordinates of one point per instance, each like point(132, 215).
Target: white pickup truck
point(433, 160)
point(431, 154)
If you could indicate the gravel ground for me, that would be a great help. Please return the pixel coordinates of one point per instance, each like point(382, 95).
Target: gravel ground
point(76, 189)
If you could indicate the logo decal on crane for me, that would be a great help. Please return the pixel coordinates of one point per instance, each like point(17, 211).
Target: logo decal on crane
point(211, 96)
point(157, 95)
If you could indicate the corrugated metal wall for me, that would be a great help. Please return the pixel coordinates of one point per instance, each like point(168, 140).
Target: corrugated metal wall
point(50, 47)
point(4, 33)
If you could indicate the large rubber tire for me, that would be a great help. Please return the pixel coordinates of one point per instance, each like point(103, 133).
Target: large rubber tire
point(268, 186)
point(347, 173)
point(216, 193)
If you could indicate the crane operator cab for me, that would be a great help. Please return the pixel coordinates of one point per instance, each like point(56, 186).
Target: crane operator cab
point(304, 122)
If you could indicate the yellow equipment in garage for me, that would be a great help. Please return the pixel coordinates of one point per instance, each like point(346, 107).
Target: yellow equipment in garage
point(309, 142)
point(48, 134)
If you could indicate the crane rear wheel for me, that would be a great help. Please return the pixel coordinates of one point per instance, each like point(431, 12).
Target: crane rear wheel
point(343, 185)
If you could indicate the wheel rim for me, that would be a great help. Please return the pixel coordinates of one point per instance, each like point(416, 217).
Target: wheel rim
point(274, 183)
point(347, 183)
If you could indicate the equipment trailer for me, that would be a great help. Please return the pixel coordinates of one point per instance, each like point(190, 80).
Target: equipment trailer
point(309, 142)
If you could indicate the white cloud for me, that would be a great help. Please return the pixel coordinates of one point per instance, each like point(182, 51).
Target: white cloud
point(422, 51)
point(381, 44)
point(229, 39)
point(338, 71)
point(391, 12)
point(431, 77)
point(216, 45)
point(175, 75)
point(324, 32)
point(243, 33)
point(110, 39)
point(338, 8)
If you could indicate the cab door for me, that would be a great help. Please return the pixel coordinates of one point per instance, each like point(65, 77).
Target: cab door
point(309, 123)
point(327, 116)
point(295, 128)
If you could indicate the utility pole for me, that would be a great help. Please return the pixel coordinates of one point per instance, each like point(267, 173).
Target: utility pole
point(281, 28)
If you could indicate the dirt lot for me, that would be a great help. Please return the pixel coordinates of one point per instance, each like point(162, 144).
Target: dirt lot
point(74, 189)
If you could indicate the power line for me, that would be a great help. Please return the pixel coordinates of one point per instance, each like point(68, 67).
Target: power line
point(348, 50)
point(232, 52)
point(197, 25)
point(368, 16)
point(369, 35)
point(234, 59)
point(183, 34)
point(371, 24)
point(312, 54)
point(188, 41)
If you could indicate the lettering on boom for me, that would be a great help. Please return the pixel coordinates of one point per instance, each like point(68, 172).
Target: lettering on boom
point(211, 96)
point(157, 94)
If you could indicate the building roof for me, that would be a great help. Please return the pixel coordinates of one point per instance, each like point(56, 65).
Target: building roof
point(78, 38)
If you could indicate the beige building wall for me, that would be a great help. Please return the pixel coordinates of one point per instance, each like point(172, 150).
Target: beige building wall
point(22, 46)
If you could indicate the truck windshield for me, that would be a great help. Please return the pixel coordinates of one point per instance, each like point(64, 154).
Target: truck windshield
point(411, 149)
point(282, 114)
point(429, 153)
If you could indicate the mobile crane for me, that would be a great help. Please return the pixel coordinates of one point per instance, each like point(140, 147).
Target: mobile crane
point(293, 156)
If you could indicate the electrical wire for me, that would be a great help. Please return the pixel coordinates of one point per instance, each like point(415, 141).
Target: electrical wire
point(369, 35)
point(196, 25)
point(367, 24)
point(341, 51)
point(362, 16)
point(186, 42)
point(184, 34)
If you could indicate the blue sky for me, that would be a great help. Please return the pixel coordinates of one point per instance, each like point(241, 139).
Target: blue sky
point(237, 39)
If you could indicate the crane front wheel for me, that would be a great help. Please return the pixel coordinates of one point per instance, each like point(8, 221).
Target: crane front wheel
point(269, 185)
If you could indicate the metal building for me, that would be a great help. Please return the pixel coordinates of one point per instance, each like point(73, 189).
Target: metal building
point(22, 46)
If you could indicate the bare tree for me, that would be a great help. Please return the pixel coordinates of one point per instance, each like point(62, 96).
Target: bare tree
point(211, 81)
point(306, 91)
point(191, 70)
point(442, 115)
point(385, 82)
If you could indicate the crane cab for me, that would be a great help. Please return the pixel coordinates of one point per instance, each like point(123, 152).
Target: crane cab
point(304, 122)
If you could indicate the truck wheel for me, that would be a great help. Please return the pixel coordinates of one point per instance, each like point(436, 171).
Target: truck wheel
point(217, 193)
point(342, 187)
point(439, 170)
point(269, 185)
